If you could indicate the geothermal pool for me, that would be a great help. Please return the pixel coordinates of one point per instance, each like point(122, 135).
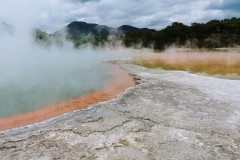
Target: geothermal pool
point(120, 80)
point(32, 91)
point(35, 76)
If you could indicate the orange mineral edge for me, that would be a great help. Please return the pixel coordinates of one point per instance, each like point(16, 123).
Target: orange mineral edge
point(121, 80)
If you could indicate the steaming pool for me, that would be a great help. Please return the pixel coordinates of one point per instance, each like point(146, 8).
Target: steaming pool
point(29, 82)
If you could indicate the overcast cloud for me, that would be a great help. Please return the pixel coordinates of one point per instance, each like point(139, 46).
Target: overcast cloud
point(52, 15)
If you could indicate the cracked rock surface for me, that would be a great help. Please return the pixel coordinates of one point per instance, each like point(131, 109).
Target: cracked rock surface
point(168, 115)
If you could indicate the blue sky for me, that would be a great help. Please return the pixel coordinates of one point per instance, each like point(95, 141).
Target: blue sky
point(52, 15)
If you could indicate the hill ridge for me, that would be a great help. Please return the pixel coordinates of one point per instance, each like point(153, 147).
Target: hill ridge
point(81, 28)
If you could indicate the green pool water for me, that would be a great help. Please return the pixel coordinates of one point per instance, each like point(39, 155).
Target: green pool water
point(29, 86)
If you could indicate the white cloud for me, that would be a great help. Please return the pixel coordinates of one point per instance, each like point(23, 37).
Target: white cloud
point(52, 15)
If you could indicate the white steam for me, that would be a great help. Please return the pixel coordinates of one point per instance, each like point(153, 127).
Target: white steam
point(32, 76)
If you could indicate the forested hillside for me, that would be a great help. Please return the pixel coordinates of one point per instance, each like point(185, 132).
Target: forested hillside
point(213, 34)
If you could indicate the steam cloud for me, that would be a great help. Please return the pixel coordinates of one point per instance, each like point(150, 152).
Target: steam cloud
point(32, 76)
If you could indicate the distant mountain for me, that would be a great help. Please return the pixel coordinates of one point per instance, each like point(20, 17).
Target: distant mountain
point(127, 28)
point(76, 29)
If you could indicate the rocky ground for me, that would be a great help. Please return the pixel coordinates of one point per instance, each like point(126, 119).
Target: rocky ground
point(168, 115)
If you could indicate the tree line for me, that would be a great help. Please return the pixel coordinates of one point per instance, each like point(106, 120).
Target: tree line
point(213, 34)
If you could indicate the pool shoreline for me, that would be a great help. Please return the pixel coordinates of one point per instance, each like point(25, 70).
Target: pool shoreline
point(120, 81)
